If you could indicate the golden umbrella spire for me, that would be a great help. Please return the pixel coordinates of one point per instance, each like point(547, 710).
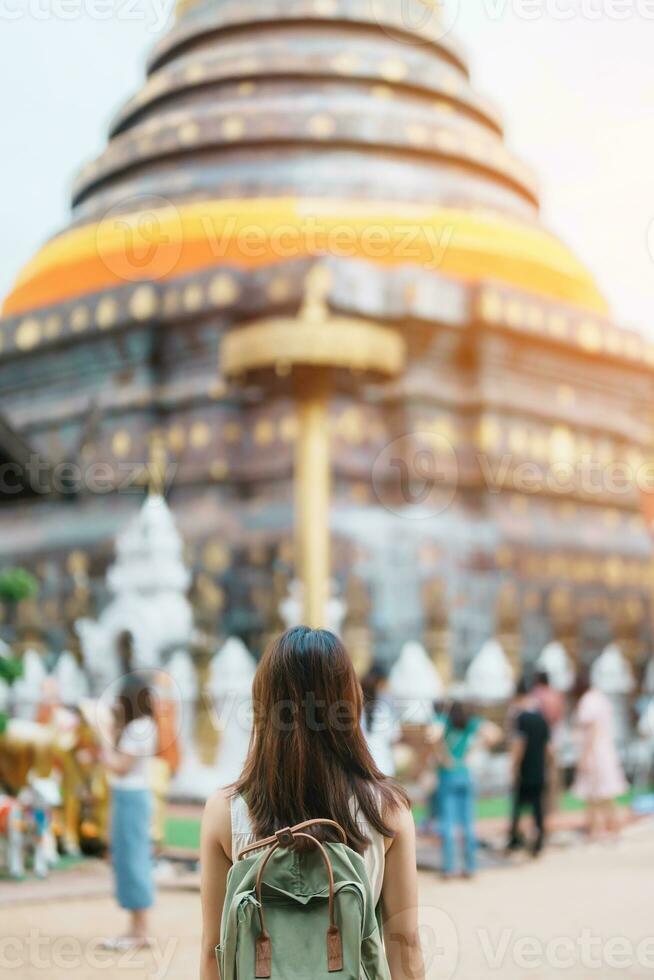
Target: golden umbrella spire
point(311, 349)
point(157, 472)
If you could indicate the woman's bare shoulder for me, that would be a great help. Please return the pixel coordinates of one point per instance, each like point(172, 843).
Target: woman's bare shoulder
point(399, 819)
point(217, 818)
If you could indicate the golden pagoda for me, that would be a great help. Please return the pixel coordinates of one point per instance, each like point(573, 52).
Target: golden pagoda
point(308, 263)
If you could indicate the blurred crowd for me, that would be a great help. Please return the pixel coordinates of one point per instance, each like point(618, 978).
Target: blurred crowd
point(80, 778)
point(533, 736)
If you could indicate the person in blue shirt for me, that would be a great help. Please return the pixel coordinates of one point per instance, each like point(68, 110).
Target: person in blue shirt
point(459, 732)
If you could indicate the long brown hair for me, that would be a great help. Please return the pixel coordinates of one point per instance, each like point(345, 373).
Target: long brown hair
point(135, 701)
point(308, 757)
point(371, 684)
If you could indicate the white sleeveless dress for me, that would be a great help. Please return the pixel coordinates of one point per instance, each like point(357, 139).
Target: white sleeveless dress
point(374, 856)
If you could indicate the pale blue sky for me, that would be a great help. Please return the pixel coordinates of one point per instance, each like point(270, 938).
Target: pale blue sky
point(577, 95)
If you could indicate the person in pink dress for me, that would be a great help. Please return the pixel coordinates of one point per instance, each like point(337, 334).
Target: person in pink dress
point(600, 778)
point(551, 703)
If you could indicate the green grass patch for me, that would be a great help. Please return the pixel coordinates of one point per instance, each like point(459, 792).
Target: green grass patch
point(500, 806)
point(65, 862)
point(496, 807)
point(183, 832)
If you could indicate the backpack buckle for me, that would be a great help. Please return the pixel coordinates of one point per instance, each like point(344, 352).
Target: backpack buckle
point(285, 837)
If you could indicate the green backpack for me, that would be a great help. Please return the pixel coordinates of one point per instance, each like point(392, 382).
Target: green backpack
point(300, 915)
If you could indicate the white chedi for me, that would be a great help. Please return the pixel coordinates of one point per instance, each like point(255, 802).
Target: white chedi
point(28, 689)
point(232, 669)
point(149, 582)
point(612, 673)
point(557, 665)
point(149, 553)
point(193, 780)
point(415, 684)
point(185, 690)
point(72, 683)
point(229, 686)
point(489, 678)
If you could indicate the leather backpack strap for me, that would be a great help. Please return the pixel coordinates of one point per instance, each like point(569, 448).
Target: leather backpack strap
point(286, 838)
point(324, 823)
point(286, 832)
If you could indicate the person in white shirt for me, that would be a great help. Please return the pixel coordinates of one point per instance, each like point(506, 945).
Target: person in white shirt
point(379, 722)
point(135, 744)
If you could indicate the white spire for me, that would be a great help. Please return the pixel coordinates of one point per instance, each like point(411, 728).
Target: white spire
point(557, 665)
point(415, 684)
point(611, 672)
point(489, 678)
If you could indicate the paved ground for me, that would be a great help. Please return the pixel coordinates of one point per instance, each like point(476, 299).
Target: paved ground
point(579, 913)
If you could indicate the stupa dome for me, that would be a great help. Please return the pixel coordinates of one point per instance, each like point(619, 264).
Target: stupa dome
point(186, 308)
point(274, 129)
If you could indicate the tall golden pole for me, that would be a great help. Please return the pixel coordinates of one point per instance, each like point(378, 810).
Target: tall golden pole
point(311, 348)
point(312, 497)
